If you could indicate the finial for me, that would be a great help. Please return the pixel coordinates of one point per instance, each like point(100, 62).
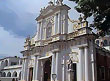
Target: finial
point(53, 1)
point(28, 37)
point(59, 2)
point(50, 3)
point(84, 17)
point(80, 18)
point(41, 10)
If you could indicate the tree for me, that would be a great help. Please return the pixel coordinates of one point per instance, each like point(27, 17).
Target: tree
point(99, 9)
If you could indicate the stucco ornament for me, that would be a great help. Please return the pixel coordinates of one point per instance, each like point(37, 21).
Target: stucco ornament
point(74, 57)
point(31, 63)
point(50, 19)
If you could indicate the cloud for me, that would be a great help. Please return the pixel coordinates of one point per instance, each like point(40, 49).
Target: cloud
point(10, 45)
point(19, 16)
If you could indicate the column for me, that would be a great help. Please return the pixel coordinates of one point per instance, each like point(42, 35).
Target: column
point(27, 74)
point(86, 64)
point(63, 69)
point(54, 28)
point(66, 23)
point(37, 70)
point(93, 60)
point(42, 71)
point(24, 71)
point(22, 77)
point(58, 65)
point(80, 64)
point(34, 69)
point(53, 66)
point(41, 29)
point(45, 33)
point(39, 32)
point(59, 23)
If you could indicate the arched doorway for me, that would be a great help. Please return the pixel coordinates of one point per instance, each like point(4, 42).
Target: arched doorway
point(30, 74)
point(75, 71)
point(72, 70)
point(47, 70)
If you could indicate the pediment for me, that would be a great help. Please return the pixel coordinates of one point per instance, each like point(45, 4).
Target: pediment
point(49, 9)
point(46, 12)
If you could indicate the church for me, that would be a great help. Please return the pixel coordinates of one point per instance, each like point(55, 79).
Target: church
point(63, 49)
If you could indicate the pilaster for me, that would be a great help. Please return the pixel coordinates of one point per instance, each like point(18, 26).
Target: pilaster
point(80, 64)
point(24, 69)
point(93, 60)
point(58, 61)
point(53, 65)
point(63, 68)
point(54, 28)
point(86, 64)
point(59, 23)
point(41, 29)
point(42, 70)
point(35, 69)
point(37, 74)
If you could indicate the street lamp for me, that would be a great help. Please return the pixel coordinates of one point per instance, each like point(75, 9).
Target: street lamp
point(54, 76)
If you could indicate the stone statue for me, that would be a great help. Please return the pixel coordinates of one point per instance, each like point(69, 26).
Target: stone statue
point(53, 1)
point(70, 65)
point(59, 2)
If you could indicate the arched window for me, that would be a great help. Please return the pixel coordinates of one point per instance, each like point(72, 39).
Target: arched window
point(9, 74)
point(2, 63)
point(105, 43)
point(21, 62)
point(15, 74)
point(6, 62)
point(49, 30)
point(20, 76)
point(3, 74)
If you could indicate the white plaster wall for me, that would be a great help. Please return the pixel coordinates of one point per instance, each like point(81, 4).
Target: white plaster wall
point(6, 79)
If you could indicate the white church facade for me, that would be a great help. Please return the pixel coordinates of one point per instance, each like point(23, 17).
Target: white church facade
point(55, 53)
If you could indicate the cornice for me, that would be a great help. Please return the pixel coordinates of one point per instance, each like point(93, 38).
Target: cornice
point(45, 13)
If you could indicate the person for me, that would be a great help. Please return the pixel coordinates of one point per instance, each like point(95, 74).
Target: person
point(13, 79)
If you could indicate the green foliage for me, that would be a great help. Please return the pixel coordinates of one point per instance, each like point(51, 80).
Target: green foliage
point(99, 9)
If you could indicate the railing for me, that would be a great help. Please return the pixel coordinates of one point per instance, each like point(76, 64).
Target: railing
point(10, 67)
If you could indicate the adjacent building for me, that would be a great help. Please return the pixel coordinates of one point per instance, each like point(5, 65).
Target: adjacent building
point(104, 42)
point(10, 68)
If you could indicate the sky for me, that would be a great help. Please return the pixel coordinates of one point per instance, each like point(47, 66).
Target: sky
point(17, 21)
